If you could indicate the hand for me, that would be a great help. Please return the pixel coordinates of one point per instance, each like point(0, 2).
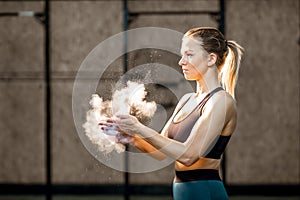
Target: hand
point(128, 124)
point(109, 127)
point(124, 138)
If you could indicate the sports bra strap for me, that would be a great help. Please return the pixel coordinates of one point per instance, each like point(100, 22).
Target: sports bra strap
point(208, 96)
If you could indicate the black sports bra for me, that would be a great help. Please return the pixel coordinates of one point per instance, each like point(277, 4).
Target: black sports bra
point(180, 131)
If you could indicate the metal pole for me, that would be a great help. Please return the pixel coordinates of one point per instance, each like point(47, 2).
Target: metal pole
point(222, 16)
point(48, 101)
point(125, 64)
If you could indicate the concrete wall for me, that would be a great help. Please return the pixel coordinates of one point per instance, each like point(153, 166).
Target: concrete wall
point(265, 147)
point(22, 96)
point(77, 27)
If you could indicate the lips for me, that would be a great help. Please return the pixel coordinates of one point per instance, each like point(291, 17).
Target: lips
point(184, 70)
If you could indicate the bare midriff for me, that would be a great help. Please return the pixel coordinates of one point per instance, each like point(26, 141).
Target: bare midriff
point(202, 163)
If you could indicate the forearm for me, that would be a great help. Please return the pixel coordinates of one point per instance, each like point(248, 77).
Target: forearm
point(174, 149)
point(182, 152)
point(145, 147)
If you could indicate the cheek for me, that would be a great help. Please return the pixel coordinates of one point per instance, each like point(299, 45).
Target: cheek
point(199, 67)
point(197, 63)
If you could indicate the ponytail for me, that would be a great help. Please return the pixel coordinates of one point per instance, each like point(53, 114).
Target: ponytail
point(228, 71)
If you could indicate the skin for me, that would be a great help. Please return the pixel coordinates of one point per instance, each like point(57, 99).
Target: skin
point(218, 118)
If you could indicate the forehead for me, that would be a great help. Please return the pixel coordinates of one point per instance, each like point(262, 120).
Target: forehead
point(191, 44)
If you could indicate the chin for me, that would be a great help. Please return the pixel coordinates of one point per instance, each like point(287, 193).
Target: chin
point(189, 78)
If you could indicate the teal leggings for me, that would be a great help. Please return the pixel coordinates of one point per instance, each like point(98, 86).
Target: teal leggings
point(199, 190)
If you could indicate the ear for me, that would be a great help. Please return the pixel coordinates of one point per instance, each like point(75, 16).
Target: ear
point(212, 59)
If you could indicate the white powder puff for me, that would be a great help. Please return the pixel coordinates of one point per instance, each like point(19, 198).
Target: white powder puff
point(133, 96)
point(123, 101)
point(104, 142)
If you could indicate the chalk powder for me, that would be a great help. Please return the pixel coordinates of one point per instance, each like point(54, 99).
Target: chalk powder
point(129, 100)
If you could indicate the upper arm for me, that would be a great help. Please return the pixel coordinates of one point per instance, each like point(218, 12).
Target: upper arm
point(218, 116)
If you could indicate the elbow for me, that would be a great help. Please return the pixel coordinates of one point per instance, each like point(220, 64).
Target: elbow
point(188, 161)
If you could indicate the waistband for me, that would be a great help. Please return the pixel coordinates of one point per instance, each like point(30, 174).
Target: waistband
point(196, 175)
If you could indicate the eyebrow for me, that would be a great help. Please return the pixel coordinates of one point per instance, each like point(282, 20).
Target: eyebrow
point(189, 50)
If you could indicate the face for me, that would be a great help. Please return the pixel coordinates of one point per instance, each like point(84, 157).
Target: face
point(194, 60)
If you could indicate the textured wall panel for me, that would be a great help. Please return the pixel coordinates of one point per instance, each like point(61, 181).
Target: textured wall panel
point(162, 176)
point(21, 46)
point(77, 27)
point(22, 148)
point(265, 147)
point(175, 5)
point(11, 6)
point(22, 139)
point(72, 163)
point(179, 23)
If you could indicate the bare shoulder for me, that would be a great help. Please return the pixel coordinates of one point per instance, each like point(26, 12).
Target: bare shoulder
point(182, 100)
point(224, 100)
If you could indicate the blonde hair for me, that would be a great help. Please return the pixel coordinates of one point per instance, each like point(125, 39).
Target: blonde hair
point(228, 53)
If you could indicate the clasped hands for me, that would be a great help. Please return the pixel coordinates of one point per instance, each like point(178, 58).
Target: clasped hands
point(123, 127)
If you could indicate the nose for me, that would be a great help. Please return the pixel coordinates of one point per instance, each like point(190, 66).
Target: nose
point(182, 61)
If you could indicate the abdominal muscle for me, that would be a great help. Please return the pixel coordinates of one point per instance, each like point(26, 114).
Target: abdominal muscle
point(202, 163)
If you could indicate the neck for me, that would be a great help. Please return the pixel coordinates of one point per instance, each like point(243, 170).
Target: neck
point(208, 82)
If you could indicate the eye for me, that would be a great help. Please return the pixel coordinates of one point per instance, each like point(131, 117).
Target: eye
point(189, 55)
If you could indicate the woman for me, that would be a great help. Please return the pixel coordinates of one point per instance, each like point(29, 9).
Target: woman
point(199, 129)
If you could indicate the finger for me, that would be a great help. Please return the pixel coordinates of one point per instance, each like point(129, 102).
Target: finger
point(122, 116)
point(108, 124)
point(123, 121)
point(111, 132)
point(103, 127)
point(110, 120)
point(107, 121)
point(101, 122)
